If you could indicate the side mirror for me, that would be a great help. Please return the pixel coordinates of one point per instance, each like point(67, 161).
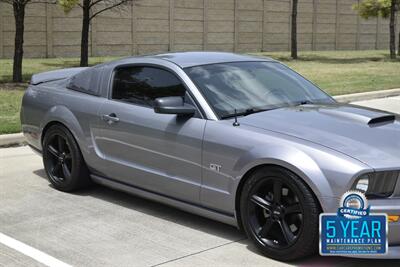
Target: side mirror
point(173, 105)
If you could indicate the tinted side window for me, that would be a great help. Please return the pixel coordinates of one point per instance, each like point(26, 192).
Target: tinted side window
point(142, 85)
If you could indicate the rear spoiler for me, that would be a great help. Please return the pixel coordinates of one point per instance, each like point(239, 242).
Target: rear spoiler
point(54, 75)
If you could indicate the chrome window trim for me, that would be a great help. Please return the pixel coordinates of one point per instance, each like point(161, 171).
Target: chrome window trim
point(161, 63)
point(209, 113)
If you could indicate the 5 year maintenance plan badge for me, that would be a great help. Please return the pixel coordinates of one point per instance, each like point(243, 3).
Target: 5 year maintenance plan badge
point(353, 230)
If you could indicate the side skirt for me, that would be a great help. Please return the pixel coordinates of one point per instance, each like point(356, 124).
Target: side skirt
point(185, 206)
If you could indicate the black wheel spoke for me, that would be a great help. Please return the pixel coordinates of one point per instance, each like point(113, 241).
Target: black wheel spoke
point(266, 228)
point(287, 233)
point(56, 169)
point(66, 171)
point(61, 142)
point(53, 151)
point(263, 203)
point(277, 192)
point(294, 208)
point(58, 148)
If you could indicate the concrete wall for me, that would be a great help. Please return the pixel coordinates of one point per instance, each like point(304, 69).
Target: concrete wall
point(149, 26)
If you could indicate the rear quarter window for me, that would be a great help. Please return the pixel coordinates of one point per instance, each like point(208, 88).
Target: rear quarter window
point(86, 81)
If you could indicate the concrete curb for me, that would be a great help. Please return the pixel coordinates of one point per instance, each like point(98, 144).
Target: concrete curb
point(16, 139)
point(367, 96)
point(7, 140)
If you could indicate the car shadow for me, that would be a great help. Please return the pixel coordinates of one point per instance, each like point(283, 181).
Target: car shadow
point(205, 225)
point(158, 209)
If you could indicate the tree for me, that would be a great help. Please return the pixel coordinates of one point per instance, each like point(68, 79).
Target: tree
point(385, 9)
point(90, 9)
point(19, 16)
point(294, 30)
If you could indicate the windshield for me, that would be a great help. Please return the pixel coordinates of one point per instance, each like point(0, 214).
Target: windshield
point(248, 87)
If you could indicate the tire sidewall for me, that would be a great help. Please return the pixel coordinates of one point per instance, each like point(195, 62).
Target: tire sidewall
point(308, 235)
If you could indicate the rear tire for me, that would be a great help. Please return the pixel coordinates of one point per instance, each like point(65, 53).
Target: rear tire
point(280, 214)
point(63, 162)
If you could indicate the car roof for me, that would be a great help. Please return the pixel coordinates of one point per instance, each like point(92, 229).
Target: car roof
point(191, 59)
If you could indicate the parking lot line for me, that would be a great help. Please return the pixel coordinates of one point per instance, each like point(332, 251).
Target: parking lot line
point(199, 252)
point(31, 252)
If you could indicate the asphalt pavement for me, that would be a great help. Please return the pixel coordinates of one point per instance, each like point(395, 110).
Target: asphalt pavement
point(103, 227)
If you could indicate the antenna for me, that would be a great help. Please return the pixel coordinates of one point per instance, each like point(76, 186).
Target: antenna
point(236, 123)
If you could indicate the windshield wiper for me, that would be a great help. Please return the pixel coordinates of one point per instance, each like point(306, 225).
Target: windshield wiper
point(305, 102)
point(256, 110)
point(245, 113)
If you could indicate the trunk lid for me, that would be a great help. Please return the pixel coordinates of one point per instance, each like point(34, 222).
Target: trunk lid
point(54, 75)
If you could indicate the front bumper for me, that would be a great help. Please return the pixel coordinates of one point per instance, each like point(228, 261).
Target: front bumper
point(393, 253)
point(390, 206)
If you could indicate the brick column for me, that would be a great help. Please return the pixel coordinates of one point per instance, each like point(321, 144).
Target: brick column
point(93, 37)
point(1, 30)
point(263, 27)
point(314, 26)
point(171, 24)
point(337, 26)
point(289, 46)
point(236, 26)
point(378, 26)
point(49, 30)
point(134, 50)
point(358, 30)
point(205, 24)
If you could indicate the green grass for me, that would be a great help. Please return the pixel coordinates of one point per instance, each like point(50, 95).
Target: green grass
point(10, 102)
point(346, 72)
point(337, 72)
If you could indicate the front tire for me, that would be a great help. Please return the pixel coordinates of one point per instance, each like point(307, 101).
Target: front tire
point(63, 161)
point(280, 214)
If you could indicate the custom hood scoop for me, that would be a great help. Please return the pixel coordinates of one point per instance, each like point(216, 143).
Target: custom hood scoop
point(382, 119)
point(371, 118)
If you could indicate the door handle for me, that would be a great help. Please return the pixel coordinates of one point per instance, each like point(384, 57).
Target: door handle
point(110, 119)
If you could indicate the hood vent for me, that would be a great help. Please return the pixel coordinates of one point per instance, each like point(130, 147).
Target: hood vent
point(371, 117)
point(382, 119)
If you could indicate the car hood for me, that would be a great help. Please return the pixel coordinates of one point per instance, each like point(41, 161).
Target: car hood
point(371, 136)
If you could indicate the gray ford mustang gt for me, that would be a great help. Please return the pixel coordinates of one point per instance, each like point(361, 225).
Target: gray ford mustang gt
point(239, 139)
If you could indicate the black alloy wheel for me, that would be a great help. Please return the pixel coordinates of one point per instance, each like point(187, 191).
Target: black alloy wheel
point(63, 161)
point(59, 158)
point(280, 214)
point(275, 212)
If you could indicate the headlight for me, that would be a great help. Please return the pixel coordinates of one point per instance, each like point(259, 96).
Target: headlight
point(363, 184)
point(377, 184)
